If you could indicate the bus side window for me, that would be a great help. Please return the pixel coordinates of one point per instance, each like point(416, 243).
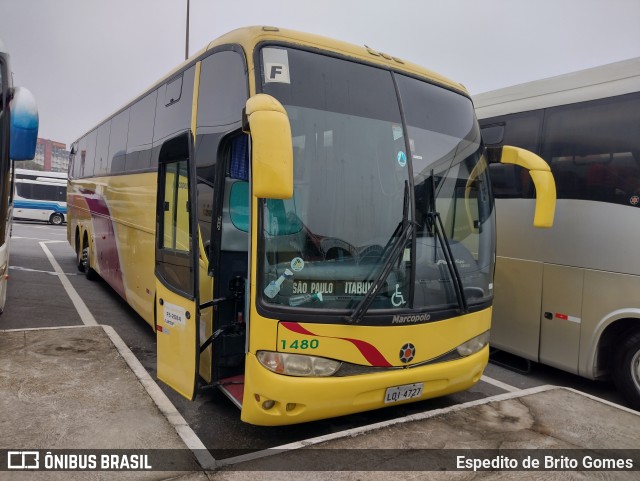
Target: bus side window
point(520, 130)
point(234, 238)
point(592, 150)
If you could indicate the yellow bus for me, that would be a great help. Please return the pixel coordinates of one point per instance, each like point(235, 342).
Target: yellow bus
point(18, 137)
point(306, 224)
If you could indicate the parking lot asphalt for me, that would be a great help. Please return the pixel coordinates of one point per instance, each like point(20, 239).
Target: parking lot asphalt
point(79, 389)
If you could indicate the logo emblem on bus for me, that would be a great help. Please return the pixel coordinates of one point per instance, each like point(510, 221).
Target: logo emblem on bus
point(407, 352)
point(297, 264)
point(634, 200)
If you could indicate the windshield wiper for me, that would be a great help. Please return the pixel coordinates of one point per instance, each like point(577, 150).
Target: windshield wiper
point(402, 234)
point(436, 226)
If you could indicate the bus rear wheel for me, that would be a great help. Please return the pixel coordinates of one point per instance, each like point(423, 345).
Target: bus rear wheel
point(89, 273)
point(79, 256)
point(626, 373)
point(56, 219)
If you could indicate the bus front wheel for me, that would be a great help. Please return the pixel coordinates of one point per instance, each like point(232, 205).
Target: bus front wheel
point(627, 370)
point(56, 219)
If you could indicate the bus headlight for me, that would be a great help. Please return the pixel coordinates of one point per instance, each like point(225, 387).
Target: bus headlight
point(473, 345)
point(298, 364)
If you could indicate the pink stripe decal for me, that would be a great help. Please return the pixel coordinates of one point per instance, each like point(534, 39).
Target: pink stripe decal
point(370, 353)
point(104, 238)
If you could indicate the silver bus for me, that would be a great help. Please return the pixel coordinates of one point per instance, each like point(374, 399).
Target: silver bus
point(569, 296)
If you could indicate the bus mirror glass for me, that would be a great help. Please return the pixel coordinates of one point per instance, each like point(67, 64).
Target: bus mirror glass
point(542, 179)
point(493, 134)
point(24, 125)
point(271, 147)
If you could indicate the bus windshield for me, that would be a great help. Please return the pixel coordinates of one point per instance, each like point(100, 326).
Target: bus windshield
point(356, 146)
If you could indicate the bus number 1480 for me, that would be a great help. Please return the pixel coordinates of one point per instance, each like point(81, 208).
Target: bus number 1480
point(304, 344)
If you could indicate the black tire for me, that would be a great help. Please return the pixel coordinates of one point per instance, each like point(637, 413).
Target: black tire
point(626, 373)
point(56, 219)
point(79, 261)
point(89, 273)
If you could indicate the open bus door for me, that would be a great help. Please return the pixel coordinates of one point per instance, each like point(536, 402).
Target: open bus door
point(176, 271)
point(177, 240)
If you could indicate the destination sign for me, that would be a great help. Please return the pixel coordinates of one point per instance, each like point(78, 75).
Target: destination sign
point(332, 287)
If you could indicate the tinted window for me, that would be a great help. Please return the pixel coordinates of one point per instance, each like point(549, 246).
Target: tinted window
point(118, 141)
point(221, 98)
point(334, 92)
point(74, 161)
point(520, 130)
point(173, 91)
point(102, 149)
point(88, 154)
point(141, 133)
point(31, 191)
point(173, 111)
point(593, 149)
point(223, 90)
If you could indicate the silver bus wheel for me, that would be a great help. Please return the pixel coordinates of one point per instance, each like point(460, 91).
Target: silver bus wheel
point(626, 374)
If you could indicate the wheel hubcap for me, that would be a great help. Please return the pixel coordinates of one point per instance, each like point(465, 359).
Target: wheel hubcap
point(85, 257)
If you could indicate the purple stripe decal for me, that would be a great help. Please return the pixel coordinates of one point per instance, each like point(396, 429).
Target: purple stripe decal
point(104, 238)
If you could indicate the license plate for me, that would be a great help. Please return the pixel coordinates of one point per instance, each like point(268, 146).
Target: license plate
point(402, 393)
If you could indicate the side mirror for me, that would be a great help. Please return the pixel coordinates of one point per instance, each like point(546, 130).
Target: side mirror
point(540, 174)
point(271, 147)
point(24, 125)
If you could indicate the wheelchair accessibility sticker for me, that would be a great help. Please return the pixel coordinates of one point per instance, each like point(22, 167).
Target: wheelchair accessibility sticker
point(397, 299)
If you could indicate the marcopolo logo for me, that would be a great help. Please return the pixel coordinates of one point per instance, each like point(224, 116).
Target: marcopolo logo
point(408, 318)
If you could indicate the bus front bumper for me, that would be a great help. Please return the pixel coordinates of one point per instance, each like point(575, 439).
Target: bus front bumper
point(272, 399)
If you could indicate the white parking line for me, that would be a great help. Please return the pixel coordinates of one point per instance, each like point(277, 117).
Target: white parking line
point(84, 312)
point(33, 238)
point(500, 384)
point(188, 436)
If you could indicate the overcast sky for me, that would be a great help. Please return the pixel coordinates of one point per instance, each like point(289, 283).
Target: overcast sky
point(83, 59)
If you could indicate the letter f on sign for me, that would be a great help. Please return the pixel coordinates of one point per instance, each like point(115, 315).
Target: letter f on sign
point(275, 70)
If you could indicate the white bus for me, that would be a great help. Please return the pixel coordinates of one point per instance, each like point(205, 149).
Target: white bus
point(569, 296)
point(40, 196)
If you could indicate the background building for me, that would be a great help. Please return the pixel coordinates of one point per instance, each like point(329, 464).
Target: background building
point(50, 156)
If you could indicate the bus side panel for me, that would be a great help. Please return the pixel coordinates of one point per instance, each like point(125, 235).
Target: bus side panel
point(123, 251)
point(516, 307)
point(132, 203)
point(561, 316)
point(608, 297)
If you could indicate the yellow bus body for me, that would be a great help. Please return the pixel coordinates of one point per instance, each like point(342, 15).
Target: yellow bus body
point(300, 399)
point(115, 217)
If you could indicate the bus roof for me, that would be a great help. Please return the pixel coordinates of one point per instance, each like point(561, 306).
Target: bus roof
point(249, 37)
point(594, 83)
point(40, 173)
